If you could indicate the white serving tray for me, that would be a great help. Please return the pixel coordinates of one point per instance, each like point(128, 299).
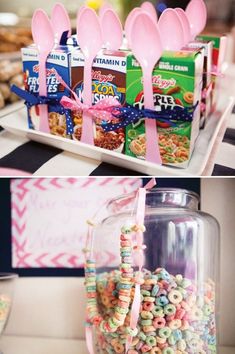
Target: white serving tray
point(16, 122)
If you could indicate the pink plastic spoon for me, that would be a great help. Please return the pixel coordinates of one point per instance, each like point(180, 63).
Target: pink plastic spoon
point(185, 23)
point(150, 9)
point(90, 42)
point(104, 8)
point(171, 30)
point(147, 48)
point(80, 10)
point(129, 21)
point(111, 30)
point(196, 12)
point(12, 172)
point(43, 37)
point(60, 21)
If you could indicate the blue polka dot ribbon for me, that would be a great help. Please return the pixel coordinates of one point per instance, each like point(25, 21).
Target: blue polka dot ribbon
point(32, 100)
point(130, 114)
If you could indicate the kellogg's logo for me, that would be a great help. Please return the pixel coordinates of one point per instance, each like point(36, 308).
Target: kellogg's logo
point(96, 75)
point(49, 72)
point(162, 83)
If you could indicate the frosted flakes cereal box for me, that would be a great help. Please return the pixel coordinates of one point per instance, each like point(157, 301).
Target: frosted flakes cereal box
point(58, 62)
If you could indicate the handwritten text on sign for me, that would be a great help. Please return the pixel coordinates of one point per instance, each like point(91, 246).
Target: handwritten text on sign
point(49, 223)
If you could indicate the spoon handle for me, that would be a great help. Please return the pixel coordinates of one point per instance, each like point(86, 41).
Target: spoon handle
point(44, 124)
point(152, 147)
point(87, 122)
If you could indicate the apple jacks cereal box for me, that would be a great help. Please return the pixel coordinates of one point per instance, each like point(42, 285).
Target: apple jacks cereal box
point(58, 62)
point(177, 81)
point(108, 80)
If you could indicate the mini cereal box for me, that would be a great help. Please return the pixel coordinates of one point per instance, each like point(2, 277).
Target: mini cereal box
point(108, 80)
point(218, 57)
point(58, 62)
point(177, 81)
point(206, 106)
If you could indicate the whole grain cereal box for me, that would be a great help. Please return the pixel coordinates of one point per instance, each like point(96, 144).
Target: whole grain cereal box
point(177, 82)
point(108, 80)
point(58, 62)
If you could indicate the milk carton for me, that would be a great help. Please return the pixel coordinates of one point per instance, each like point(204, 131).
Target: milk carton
point(218, 58)
point(108, 80)
point(206, 103)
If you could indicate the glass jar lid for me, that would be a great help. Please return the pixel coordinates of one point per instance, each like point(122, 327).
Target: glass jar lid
point(156, 198)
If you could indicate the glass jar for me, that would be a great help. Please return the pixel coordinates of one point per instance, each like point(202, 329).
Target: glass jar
point(178, 311)
point(7, 282)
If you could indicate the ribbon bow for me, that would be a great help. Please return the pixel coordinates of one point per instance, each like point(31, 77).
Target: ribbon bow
point(129, 114)
point(102, 110)
point(33, 100)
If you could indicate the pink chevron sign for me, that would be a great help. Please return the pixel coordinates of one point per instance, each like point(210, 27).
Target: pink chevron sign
point(49, 218)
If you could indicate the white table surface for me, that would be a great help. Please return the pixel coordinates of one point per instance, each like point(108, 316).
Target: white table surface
point(37, 345)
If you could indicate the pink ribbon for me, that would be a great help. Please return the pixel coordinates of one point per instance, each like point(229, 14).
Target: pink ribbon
point(89, 339)
point(140, 213)
point(118, 205)
point(207, 91)
point(101, 110)
point(216, 72)
point(205, 94)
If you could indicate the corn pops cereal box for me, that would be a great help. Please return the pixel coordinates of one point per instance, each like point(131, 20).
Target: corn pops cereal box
point(177, 82)
point(108, 80)
point(58, 62)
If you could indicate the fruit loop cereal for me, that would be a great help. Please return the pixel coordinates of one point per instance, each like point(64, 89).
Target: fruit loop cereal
point(173, 148)
point(5, 305)
point(175, 316)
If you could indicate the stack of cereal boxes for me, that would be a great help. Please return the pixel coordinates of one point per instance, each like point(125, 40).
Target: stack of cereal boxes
point(177, 82)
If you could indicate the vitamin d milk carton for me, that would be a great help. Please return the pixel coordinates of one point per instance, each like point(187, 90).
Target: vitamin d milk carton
point(108, 80)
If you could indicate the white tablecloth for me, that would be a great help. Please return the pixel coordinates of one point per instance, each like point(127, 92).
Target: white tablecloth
point(37, 345)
